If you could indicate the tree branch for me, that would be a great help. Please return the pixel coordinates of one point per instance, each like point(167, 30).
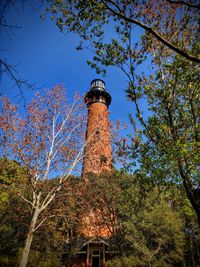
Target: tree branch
point(13, 77)
point(10, 26)
point(154, 33)
point(184, 3)
point(45, 219)
point(26, 200)
point(19, 82)
point(154, 253)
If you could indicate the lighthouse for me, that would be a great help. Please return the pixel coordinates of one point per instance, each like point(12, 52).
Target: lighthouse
point(91, 247)
point(97, 154)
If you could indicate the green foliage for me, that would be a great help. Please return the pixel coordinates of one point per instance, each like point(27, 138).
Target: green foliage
point(171, 91)
point(147, 221)
point(167, 25)
point(11, 174)
point(14, 215)
point(15, 218)
point(46, 140)
point(172, 151)
point(147, 227)
point(152, 227)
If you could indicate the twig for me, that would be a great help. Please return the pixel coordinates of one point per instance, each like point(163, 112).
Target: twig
point(26, 200)
point(10, 26)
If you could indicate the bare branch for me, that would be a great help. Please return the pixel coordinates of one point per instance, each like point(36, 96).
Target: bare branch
point(13, 77)
point(57, 188)
point(65, 120)
point(61, 142)
point(20, 83)
point(10, 26)
point(50, 196)
point(155, 252)
point(26, 200)
point(45, 219)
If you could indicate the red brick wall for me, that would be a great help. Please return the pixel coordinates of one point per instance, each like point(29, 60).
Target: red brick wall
point(98, 150)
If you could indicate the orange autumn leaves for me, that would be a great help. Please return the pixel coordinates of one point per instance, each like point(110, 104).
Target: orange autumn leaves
point(49, 120)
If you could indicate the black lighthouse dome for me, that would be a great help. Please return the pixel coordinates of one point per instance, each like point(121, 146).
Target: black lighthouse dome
point(97, 84)
point(97, 93)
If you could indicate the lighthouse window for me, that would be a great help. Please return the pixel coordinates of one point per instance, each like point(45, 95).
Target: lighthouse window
point(98, 134)
point(103, 159)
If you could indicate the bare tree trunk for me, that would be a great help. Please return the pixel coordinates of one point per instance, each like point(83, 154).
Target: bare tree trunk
point(29, 239)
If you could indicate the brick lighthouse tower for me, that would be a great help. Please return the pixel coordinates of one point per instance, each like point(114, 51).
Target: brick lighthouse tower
point(91, 247)
point(97, 154)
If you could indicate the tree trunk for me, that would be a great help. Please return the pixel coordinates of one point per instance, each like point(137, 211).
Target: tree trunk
point(190, 191)
point(193, 200)
point(29, 239)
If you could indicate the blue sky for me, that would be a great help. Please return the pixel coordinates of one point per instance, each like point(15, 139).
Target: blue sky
point(45, 56)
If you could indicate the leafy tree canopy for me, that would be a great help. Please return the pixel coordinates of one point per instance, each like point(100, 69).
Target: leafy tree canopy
point(169, 140)
point(166, 22)
point(147, 221)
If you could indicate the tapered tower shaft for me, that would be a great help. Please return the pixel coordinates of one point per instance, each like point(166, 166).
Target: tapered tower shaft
point(97, 154)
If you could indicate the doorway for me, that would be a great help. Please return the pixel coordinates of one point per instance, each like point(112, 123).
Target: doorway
point(95, 261)
point(96, 258)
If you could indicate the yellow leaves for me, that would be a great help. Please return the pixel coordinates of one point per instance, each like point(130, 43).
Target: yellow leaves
point(166, 129)
point(3, 198)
